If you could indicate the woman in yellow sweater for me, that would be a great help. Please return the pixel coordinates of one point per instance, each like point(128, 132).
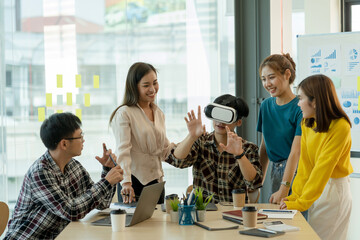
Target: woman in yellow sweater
point(322, 183)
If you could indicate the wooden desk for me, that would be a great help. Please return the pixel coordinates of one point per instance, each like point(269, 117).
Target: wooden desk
point(160, 227)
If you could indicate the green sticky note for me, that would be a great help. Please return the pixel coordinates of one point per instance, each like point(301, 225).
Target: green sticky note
point(358, 83)
point(49, 99)
point(59, 111)
point(69, 99)
point(78, 113)
point(79, 99)
point(96, 81)
point(78, 80)
point(87, 99)
point(41, 114)
point(59, 100)
point(59, 81)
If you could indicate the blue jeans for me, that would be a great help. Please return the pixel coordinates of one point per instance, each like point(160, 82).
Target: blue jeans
point(277, 172)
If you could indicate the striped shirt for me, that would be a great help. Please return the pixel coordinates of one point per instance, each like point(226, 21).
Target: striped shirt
point(218, 173)
point(49, 200)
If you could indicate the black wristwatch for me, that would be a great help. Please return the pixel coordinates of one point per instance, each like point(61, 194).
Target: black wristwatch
point(240, 156)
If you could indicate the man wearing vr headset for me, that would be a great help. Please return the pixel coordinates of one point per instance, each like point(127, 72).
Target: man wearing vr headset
point(221, 160)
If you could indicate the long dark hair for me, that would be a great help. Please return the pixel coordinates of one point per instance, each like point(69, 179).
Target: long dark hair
point(321, 89)
point(279, 63)
point(136, 72)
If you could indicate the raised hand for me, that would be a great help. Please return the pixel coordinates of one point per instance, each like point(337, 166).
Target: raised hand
point(234, 143)
point(105, 159)
point(194, 125)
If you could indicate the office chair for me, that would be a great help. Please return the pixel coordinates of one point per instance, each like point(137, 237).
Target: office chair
point(253, 196)
point(4, 216)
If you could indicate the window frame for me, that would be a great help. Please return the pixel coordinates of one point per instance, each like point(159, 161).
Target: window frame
point(346, 5)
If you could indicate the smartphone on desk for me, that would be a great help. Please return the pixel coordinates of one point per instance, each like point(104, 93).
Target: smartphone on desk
point(259, 232)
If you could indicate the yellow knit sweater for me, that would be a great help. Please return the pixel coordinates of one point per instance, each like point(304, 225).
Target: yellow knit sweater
point(323, 156)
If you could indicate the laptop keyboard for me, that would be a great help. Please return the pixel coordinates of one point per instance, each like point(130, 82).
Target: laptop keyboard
point(106, 221)
point(133, 204)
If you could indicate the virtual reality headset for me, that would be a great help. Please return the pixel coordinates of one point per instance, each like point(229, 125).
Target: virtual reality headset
point(220, 113)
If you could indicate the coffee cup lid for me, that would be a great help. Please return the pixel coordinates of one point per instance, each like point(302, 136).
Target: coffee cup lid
point(249, 209)
point(119, 211)
point(239, 190)
point(171, 196)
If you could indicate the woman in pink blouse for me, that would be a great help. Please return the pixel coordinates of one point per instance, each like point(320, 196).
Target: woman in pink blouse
point(139, 129)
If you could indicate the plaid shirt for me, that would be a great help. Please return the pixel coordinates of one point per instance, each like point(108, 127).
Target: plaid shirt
point(218, 173)
point(49, 200)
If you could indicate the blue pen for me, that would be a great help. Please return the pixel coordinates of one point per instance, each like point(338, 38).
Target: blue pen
point(277, 211)
point(111, 157)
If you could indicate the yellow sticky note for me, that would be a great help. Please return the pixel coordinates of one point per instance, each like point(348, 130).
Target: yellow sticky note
point(358, 84)
point(96, 81)
point(87, 99)
point(59, 81)
point(78, 80)
point(69, 99)
point(59, 111)
point(41, 114)
point(78, 113)
point(49, 99)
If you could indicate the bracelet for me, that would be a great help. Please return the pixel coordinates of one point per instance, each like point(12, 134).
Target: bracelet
point(240, 156)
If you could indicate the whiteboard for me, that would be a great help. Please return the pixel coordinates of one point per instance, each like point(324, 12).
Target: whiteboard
point(336, 55)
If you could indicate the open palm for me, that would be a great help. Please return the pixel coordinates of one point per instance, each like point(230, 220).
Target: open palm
point(194, 125)
point(234, 143)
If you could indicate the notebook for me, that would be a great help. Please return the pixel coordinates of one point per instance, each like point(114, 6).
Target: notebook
point(144, 209)
point(277, 213)
point(237, 214)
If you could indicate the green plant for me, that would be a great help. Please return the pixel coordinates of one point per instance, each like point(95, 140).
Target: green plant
point(174, 203)
point(200, 202)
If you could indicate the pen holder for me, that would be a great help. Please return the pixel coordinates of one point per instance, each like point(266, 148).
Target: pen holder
point(186, 214)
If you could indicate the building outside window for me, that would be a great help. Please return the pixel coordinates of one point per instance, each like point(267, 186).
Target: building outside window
point(67, 55)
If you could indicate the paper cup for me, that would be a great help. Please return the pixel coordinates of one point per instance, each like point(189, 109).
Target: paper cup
point(249, 216)
point(238, 197)
point(118, 219)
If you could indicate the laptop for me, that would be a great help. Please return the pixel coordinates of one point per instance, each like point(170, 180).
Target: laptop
point(144, 208)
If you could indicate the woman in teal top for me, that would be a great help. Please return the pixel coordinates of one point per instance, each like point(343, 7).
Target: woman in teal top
point(279, 122)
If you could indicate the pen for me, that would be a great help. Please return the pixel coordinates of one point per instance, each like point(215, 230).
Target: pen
point(266, 230)
point(277, 211)
point(111, 157)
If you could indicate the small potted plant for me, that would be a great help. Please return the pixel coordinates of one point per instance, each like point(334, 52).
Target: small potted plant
point(174, 213)
point(201, 204)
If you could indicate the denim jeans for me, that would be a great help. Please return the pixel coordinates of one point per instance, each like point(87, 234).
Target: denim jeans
point(277, 172)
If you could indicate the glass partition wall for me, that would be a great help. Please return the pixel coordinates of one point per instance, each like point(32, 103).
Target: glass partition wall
point(67, 55)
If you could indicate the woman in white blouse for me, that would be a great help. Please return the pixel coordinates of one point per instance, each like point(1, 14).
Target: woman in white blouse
point(139, 129)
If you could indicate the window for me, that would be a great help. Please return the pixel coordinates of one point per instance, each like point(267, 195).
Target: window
point(191, 43)
point(351, 15)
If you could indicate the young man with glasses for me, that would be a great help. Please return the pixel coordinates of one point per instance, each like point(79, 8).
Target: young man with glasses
point(57, 189)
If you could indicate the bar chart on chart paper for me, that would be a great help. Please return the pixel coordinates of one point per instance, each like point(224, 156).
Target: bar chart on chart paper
point(335, 55)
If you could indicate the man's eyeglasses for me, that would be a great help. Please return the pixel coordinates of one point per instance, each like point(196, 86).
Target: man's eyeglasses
point(73, 138)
